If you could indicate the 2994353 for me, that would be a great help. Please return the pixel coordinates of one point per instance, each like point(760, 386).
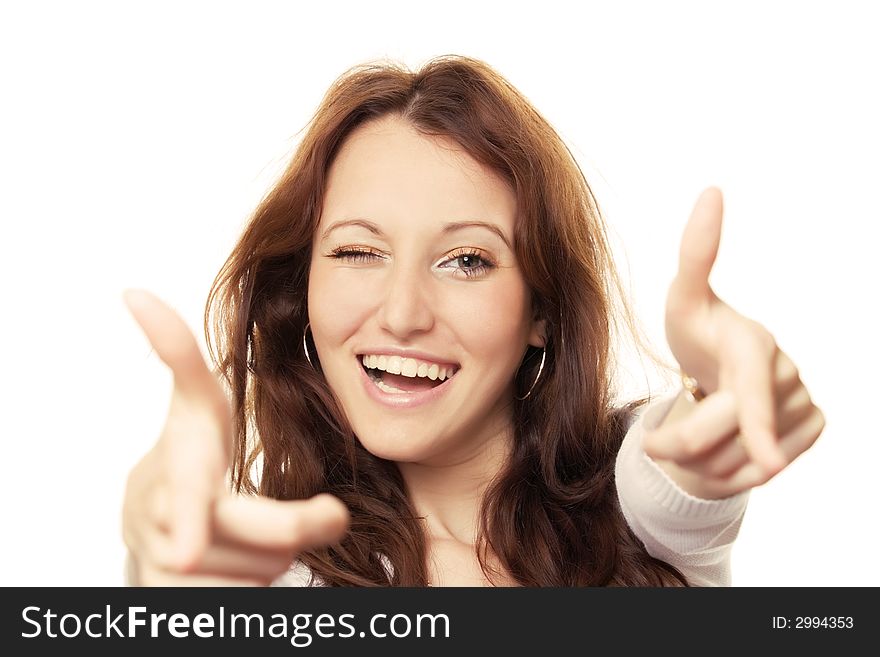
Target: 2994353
point(813, 622)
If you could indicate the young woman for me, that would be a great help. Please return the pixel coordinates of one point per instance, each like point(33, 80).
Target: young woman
point(415, 331)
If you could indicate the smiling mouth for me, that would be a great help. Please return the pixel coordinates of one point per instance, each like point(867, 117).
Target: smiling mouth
point(418, 378)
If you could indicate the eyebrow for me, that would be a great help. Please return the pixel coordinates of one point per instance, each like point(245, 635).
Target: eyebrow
point(449, 227)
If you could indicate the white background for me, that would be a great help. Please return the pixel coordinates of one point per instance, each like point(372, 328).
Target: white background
point(135, 138)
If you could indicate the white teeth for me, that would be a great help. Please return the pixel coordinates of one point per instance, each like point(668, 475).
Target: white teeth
point(409, 367)
point(394, 363)
point(383, 386)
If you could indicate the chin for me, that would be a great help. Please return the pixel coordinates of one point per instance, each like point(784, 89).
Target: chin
point(399, 445)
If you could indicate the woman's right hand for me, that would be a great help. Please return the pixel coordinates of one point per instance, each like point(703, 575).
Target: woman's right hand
point(181, 524)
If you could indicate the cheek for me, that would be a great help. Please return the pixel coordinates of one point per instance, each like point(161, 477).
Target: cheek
point(337, 305)
point(493, 320)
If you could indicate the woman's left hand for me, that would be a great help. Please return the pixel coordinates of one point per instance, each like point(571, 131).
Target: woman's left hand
point(757, 416)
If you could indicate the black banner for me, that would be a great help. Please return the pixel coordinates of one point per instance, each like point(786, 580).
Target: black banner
point(434, 621)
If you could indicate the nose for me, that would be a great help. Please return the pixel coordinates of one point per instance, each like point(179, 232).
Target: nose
point(406, 305)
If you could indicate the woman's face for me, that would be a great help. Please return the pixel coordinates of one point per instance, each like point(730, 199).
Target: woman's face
point(413, 268)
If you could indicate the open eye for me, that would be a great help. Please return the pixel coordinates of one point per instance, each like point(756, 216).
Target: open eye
point(472, 262)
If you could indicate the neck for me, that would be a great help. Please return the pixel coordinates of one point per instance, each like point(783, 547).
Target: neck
point(449, 493)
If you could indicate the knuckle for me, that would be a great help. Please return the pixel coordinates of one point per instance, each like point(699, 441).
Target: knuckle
point(795, 408)
point(155, 554)
point(691, 446)
point(720, 469)
point(789, 375)
point(820, 418)
point(802, 398)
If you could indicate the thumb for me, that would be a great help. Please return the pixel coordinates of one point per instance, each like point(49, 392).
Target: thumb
point(699, 248)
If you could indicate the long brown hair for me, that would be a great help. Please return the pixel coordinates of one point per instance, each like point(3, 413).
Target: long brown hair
point(552, 517)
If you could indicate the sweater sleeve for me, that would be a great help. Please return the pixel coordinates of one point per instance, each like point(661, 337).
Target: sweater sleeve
point(692, 534)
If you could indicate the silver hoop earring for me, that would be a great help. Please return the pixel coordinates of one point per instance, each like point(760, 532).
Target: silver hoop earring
point(305, 346)
point(540, 369)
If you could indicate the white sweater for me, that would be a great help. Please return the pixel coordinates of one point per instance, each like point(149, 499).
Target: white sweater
point(692, 534)
point(687, 532)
